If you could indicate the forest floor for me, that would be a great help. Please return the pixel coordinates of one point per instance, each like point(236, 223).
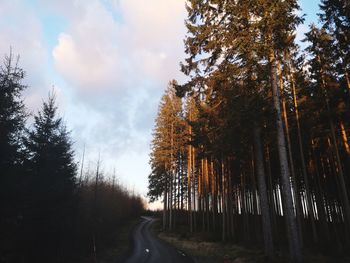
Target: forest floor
point(119, 251)
point(203, 251)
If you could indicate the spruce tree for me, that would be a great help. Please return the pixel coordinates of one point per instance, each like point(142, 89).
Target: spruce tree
point(53, 173)
point(12, 112)
point(12, 124)
point(336, 19)
point(50, 151)
point(326, 91)
point(166, 151)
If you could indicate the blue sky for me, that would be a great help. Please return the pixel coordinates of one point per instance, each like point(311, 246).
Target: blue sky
point(109, 62)
point(310, 8)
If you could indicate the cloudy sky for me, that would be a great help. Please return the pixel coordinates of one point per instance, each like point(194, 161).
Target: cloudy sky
point(109, 62)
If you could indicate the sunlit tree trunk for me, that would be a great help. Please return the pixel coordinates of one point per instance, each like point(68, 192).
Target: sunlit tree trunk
point(344, 138)
point(207, 212)
point(189, 185)
point(194, 189)
point(172, 175)
point(346, 75)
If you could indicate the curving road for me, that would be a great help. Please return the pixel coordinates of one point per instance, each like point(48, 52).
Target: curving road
point(148, 248)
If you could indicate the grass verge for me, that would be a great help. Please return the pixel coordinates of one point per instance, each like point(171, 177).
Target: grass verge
point(204, 251)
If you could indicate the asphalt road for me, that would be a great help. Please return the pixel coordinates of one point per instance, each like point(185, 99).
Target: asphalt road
point(148, 248)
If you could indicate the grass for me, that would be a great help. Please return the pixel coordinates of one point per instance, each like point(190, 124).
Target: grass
point(204, 249)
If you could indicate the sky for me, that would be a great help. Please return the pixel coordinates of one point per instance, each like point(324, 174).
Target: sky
point(108, 61)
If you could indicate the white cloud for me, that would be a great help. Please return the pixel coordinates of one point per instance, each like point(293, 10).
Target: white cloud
point(87, 56)
point(110, 64)
point(21, 29)
point(154, 30)
point(99, 51)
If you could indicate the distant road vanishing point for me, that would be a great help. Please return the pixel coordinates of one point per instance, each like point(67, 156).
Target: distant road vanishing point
point(149, 249)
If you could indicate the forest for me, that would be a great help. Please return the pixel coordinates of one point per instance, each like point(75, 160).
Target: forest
point(52, 209)
point(254, 147)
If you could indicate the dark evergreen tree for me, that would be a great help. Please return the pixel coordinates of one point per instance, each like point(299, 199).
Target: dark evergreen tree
point(336, 19)
point(52, 171)
point(12, 121)
point(12, 116)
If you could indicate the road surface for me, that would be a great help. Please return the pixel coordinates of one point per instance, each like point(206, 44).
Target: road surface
point(149, 249)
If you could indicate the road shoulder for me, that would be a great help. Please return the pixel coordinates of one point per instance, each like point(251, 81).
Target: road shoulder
point(123, 245)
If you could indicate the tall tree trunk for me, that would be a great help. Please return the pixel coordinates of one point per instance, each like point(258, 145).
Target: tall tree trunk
point(295, 184)
point(342, 185)
point(206, 168)
point(165, 207)
point(265, 209)
point(245, 218)
point(320, 198)
point(172, 164)
point(214, 194)
point(194, 189)
point(171, 202)
point(347, 79)
point(302, 157)
point(223, 196)
point(189, 185)
point(345, 138)
point(202, 193)
point(230, 203)
point(256, 220)
point(273, 213)
point(292, 231)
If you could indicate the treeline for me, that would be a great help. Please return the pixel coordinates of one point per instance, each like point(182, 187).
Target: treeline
point(255, 145)
point(50, 212)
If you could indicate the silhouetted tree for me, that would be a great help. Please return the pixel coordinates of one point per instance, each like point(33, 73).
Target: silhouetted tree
point(52, 172)
point(12, 124)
